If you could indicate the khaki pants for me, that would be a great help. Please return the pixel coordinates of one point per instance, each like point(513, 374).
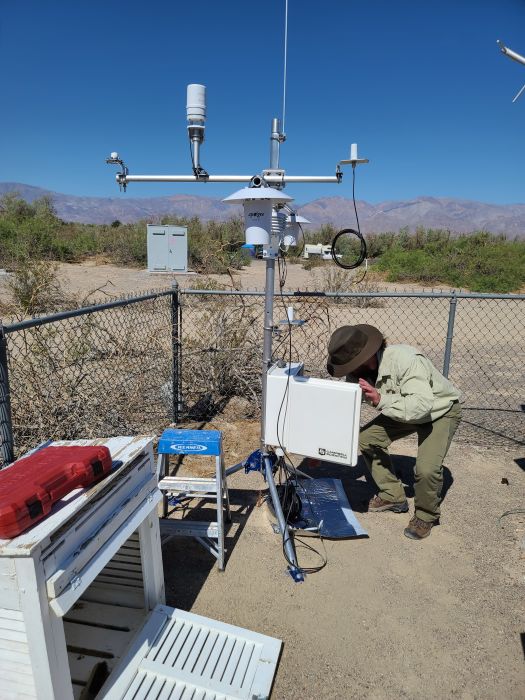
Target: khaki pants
point(433, 438)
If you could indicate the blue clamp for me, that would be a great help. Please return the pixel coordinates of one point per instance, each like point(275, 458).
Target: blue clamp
point(296, 574)
point(255, 462)
point(174, 501)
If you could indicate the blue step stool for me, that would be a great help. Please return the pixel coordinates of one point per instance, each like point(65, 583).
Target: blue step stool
point(175, 441)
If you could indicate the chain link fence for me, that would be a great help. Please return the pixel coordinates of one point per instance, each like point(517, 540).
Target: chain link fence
point(476, 339)
point(134, 365)
point(94, 372)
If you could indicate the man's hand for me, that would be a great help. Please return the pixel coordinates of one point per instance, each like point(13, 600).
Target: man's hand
point(370, 392)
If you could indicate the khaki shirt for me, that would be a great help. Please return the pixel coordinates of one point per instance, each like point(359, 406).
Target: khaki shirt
point(412, 390)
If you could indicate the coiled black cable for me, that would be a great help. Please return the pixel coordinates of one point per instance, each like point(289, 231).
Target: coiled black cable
point(362, 252)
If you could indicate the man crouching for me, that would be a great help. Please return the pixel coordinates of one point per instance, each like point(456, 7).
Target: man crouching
point(412, 397)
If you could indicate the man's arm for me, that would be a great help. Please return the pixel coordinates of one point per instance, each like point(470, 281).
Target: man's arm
point(415, 398)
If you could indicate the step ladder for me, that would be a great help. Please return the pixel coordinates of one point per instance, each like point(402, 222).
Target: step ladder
point(174, 441)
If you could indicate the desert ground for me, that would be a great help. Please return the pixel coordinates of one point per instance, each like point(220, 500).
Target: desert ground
point(100, 279)
point(387, 617)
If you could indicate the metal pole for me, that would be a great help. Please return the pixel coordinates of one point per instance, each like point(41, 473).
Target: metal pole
point(6, 426)
point(450, 333)
point(269, 290)
point(270, 179)
point(267, 338)
point(175, 345)
point(287, 535)
point(275, 141)
point(266, 361)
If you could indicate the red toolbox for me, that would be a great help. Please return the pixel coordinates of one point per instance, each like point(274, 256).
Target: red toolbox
point(30, 486)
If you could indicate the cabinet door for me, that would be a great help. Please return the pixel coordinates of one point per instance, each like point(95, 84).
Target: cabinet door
point(178, 249)
point(158, 248)
point(180, 654)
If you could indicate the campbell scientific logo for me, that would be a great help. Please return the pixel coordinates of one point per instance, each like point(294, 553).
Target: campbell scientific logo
point(331, 453)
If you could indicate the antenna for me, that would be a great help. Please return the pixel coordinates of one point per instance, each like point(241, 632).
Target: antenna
point(515, 57)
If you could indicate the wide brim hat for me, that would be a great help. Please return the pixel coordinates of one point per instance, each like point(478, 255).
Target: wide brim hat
point(350, 346)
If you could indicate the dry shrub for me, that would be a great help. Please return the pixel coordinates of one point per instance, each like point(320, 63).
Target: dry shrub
point(92, 376)
point(34, 289)
point(221, 355)
point(337, 280)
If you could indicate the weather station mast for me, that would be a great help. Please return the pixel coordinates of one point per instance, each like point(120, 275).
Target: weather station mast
point(271, 222)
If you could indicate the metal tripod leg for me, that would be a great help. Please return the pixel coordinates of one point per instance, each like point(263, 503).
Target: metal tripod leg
point(162, 471)
point(288, 541)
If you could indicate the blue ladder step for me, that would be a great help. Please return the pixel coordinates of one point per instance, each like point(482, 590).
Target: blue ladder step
point(175, 441)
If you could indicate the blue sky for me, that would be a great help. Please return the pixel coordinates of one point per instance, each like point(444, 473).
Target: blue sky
point(420, 86)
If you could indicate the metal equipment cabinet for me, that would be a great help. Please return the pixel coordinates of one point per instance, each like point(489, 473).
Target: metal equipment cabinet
point(167, 248)
point(76, 587)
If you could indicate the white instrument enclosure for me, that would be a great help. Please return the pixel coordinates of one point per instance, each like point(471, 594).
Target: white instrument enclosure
point(312, 417)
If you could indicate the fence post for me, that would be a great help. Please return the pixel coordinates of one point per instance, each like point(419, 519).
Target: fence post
point(176, 347)
point(6, 426)
point(450, 333)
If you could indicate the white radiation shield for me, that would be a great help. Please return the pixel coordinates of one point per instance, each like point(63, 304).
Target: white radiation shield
point(258, 221)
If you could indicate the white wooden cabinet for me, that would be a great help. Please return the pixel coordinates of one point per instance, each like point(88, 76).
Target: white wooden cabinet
point(76, 587)
point(82, 609)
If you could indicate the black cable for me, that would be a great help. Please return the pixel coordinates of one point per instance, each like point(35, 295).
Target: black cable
point(353, 199)
point(197, 171)
point(192, 160)
point(363, 249)
point(290, 472)
point(362, 252)
point(303, 239)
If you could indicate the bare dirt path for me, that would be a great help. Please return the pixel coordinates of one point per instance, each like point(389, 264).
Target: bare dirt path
point(85, 278)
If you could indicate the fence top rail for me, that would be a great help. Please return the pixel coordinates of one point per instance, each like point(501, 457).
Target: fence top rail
point(63, 315)
point(343, 295)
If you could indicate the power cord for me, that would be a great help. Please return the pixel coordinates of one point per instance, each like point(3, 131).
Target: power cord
point(287, 471)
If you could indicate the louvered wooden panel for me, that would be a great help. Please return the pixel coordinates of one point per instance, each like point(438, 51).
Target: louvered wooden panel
point(195, 657)
point(15, 664)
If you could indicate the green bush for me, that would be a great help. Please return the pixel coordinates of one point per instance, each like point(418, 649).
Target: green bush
point(33, 231)
point(481, 262)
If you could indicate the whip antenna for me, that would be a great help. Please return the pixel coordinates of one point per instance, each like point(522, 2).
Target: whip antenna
point(285, 59)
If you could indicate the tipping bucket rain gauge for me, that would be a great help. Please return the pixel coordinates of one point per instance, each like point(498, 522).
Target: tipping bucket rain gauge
point(270, 221)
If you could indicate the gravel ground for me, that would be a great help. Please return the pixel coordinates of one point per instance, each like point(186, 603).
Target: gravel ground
point(387, 617)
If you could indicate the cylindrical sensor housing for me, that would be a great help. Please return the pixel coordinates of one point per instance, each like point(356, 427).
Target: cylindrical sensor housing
point(291, 234)
point(196, 103)
point(258, 221)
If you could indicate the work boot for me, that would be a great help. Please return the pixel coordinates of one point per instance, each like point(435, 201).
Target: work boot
point(377, 505)
point(418, 529)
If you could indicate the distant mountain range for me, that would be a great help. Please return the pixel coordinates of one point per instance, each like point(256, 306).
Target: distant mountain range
point(458, 215)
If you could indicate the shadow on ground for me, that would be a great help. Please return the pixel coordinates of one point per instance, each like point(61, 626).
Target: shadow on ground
point(358, 483)
point(187, 564)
